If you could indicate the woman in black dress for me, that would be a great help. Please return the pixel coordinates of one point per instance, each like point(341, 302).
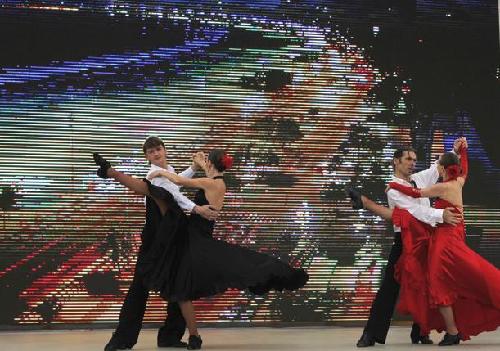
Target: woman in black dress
point(186, 262)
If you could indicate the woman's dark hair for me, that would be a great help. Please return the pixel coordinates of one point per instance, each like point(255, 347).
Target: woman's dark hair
point(216, 156)
point(152, 142)
point(448, 159)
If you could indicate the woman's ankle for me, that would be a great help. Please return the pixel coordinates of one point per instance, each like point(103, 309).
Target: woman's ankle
point(111, 172)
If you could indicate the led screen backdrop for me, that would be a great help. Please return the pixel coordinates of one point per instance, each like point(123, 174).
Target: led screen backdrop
point(309, 97)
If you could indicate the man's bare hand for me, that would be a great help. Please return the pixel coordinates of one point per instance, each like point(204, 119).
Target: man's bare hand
point(206, 212)
point(451, 217)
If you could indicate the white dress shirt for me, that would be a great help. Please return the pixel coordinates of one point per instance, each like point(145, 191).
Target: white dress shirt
point(420, 208)
point(165, 183)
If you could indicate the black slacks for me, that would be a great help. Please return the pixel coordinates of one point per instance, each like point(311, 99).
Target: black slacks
point(132, 313)
point(384, 303)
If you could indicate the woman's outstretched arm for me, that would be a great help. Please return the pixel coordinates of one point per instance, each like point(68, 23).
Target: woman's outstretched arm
point(464, 163)
point(435, 190)
point(199, 183)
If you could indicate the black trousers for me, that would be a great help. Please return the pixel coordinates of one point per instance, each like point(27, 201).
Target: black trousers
point(132, 313)
point(385, 301)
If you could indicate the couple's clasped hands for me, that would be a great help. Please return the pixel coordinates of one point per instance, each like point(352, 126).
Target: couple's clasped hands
point(460, 143)
point(199, 163)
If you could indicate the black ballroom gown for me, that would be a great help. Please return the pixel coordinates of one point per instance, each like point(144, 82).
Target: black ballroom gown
point(186, 263)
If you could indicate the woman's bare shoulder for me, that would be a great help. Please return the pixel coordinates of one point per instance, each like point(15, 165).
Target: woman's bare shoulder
point(215, 184)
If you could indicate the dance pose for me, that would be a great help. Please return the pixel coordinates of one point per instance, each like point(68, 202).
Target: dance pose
point(444, 284)
point(383, 305)
point(186, 262)
point(134, 305)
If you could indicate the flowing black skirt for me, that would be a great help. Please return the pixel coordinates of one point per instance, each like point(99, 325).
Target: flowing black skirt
point(186, 263)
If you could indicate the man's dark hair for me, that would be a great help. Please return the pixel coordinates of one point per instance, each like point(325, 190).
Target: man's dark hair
point(400, 152)
point(152, 142)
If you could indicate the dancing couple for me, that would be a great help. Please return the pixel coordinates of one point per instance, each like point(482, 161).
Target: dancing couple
point(179, 258)
point(442, 283)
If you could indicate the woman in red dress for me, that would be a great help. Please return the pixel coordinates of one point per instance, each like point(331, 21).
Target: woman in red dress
point(438, 271)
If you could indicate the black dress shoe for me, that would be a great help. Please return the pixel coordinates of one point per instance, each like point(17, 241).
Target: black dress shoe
point(426, 340)
point(366, 341)
point(178, 343)
point(449, 339)
point(357, 202)
point(103, 164)
point(114, 345)
point(194, 342)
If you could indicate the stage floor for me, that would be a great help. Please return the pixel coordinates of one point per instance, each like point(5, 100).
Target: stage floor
point(248, 339)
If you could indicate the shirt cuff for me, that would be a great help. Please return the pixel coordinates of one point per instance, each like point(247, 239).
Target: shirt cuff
point(439, 215)
point(188, 173)
point(189, 206)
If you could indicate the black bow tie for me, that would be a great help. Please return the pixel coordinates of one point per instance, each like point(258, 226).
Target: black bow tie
point(413, 184)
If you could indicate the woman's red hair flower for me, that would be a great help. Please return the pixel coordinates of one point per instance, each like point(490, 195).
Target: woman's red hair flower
point(453, 171)
point(227, 161)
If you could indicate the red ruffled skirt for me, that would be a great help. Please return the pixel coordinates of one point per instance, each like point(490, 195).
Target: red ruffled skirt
point(437, 268)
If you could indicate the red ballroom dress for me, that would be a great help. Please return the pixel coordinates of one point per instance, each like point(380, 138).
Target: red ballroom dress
point(438, 268)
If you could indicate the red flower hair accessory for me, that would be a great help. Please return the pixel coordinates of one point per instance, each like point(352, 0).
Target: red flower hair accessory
point(453, 171)
point(227, 161)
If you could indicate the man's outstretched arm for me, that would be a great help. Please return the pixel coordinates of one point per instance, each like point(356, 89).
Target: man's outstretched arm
point(423, 213)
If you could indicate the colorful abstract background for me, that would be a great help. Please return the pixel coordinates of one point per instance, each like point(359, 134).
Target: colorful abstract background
point(308, 96)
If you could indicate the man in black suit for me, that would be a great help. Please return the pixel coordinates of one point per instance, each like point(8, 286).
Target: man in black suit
point(383, 305)
point(134, 305)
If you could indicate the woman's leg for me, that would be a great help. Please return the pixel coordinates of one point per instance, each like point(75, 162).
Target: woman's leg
point(449, 319)
point(138, 186)
point(106, 171)
point(379, 210)
point(189, 315)
point(134, 184)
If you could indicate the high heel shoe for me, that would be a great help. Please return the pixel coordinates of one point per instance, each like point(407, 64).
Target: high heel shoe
point(194, 342)
point(450, 339)
point(103, 164)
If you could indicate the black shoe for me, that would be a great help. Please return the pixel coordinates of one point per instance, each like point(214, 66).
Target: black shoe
point(103, 164)
point(114, 344)
point(357, 202)
point(426, 340)
point(365, 340)
point(178, 343)
point(449, 339)
point(194, 342)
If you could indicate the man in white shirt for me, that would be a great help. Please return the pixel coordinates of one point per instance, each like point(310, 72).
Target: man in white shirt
point(134, 305)
point(404, 162)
